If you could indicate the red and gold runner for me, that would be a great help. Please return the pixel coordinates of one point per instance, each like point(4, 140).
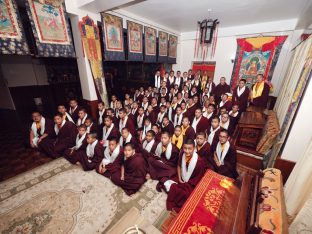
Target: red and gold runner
point(200, 211)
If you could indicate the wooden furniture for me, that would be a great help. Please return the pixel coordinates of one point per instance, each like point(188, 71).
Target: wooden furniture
point(243, 208)
point(249, 130)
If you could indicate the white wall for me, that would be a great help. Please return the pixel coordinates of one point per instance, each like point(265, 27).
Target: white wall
point(226, 48)
point(23, 71)
point(301, 132)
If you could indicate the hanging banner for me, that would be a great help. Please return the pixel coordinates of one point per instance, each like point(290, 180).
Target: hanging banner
point(12, 37)
point(162, 46)
point(92, 48)
point(135, 41)
point(150, 35)
point(256, 55)
point(172, 51)
point(50, 29)
point(113, 37)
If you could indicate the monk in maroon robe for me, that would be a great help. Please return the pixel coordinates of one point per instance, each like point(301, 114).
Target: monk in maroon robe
point(74, 109)
point(109, 131)
point(200, 123)
point(191, 168)
point(126, 122)
point(221, 89)
point(151, 114)
point(110, 164)
point(132, 173)
point(167, 126)
point(65, 133)
point(223, 160)
point(213, 132)
point(187, 130)
point(163, 165)
point(241, 95)
point(149, 145)
point(40, 129)
point(260, 92)
point(191, 108)
point(225, 103)
point(127, 137)
point(203, 147)
point(81, 143)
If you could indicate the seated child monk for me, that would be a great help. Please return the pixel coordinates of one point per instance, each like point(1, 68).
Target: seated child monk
point(40, 129)
point(81, 143)
point(163, 165)
point(132, 173)
point(65, 133)
point(113, 153)
point(191, 169)
point(177, 138)
point(203, 147)
point(149, 144)
point(93, 154)
point(223, 160)
point(91, 126)
point(126, 137)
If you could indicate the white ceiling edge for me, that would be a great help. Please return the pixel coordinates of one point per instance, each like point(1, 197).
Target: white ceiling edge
point(138, 19)
point(267, 27)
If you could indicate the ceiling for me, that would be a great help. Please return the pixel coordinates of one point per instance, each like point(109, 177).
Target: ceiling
point(182, 15)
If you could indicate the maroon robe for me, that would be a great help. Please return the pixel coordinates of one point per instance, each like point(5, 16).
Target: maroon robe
point(147, 154)
point(169, 128)
point(204, 152)
point(132, 141)
point(152, 117)
point(74, 115)
point(216, 136)
point(66, 138)
point(162, 169)
point(241, 100)
point(190, 113)
point(213, 86)
point(113, 167)
point(189, 134)
point(82, 157)
point(220, 90)
point(263, 99)
point(102, 118)
point(135, 173)
point(130, 125)
point(113, 134)
point(179, 193)
point(140, 97)
point(229, 167)
point(227, 106)
point(202, 125)
point(83, 147)
point(48, 129)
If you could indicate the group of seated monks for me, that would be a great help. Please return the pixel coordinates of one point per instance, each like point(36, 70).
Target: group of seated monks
point(171, 133)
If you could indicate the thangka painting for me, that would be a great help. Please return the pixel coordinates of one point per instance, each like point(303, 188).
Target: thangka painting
point(50, 29)
point(172, 51)
point(113, 37)
point(12, 37)
point(150, 44)
point(92, 49)
point(256, 55)
point(162, 46)
point(135, 41)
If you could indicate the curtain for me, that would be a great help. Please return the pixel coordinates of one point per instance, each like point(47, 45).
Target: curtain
point(298, 193)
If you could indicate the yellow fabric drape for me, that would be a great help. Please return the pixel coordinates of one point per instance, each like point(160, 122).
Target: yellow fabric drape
point(257, 90)
point(177, 141)
point(184, 130)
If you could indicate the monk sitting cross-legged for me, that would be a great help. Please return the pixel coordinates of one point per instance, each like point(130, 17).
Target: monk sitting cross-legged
point(132, 173)
point(191, 169)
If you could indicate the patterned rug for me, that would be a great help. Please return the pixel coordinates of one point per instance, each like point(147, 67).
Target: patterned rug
point(61, 198)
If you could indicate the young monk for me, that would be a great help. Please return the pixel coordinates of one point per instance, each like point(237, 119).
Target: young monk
point(40, 129)
point(203, 147)
point(91, 126)
point(177, 138)
point(226, 123)
point(112, 155)
point(74, 109)
point(93, 154)
point(132, 173)
point(187, 130)
point(140, 118)
point(213, 132)
point(224, 156)
point(167, 126)
point(109, 131)
point(156, 129)
point(200, 123)
point(149, 145)
point(65, 133)
point(126, 137)
point(241, 95)
point(191, 169)
point(62, 109)
point(81, 143)
point(82, 114)
point(163, 165)
point(209, 112)
point(177, 119)
point(126, 122)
